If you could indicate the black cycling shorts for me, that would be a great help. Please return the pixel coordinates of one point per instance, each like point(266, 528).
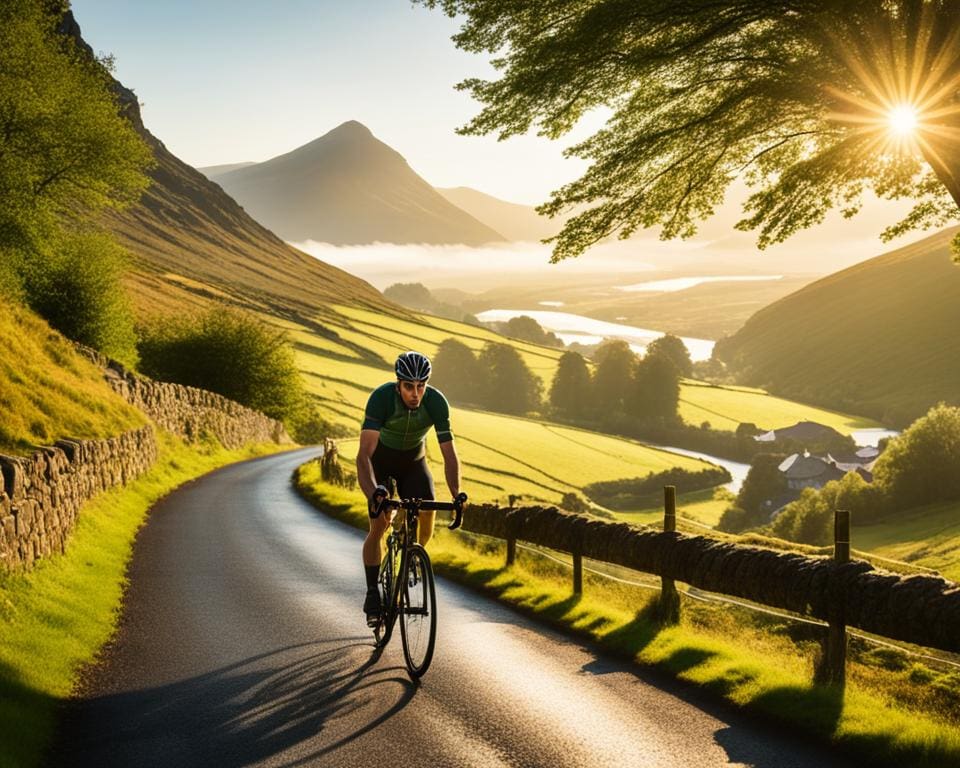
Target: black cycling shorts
point(409, 468)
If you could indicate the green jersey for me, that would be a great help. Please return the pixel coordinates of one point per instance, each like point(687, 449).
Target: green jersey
point(402, 428)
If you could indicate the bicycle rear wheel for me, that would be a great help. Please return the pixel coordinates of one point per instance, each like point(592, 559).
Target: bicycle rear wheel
point(418, 611)
point(389, 597)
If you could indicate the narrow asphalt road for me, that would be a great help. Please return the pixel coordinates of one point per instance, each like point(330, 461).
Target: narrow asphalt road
point(242, 643)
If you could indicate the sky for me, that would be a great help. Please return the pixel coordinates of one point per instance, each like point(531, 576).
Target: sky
point(224, 82)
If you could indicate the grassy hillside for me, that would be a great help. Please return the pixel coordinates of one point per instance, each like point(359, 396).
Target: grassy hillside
point(49, 391)
point(927, 536)
point(878, 338)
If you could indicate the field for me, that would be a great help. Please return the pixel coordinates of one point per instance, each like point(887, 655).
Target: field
point(349, 351)
point(927, 536)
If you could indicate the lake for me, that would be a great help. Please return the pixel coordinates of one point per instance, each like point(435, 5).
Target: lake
point(683, 283)
point(586, 330)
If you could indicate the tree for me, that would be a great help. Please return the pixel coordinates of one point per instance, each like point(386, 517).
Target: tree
point(456, 371)
point(65, 150)
point(674, 348)
point(656, 390)
point(812, 102)
point(613, 379)
point(922, 465)
point(525, 328)
point(66, 153)
point(570, 392)
point(507, 384)
point(414, 295)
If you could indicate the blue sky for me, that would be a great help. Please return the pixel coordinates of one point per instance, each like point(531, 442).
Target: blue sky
point(225, 82)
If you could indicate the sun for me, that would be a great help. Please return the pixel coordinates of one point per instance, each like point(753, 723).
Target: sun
point(903, 119)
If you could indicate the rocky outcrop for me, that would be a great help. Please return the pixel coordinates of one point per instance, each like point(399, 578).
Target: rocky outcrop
point(41, 494)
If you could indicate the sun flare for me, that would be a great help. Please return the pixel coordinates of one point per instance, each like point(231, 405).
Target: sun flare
point(903, 119)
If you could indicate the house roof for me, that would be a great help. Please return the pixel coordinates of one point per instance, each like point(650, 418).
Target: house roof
point(806, 467)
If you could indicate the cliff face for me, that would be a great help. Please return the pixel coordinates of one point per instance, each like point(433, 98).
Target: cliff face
point(190, 239)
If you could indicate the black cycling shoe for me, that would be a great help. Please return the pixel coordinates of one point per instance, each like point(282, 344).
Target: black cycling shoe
point(371, 606)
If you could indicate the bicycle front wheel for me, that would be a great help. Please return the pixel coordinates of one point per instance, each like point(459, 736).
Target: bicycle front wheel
point(418, 612)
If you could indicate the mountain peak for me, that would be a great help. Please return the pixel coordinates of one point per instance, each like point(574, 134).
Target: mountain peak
point(351, 128)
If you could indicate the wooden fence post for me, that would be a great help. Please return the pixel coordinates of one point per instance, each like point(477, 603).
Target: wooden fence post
point(511, 551)
point(669, 607)
point(833, 662)
point(577, 573)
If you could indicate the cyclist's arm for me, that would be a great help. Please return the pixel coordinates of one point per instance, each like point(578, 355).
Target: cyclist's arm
point(451, 467)
point(365, 475)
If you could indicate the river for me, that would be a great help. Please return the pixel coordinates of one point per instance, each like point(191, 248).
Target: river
point(586, 330)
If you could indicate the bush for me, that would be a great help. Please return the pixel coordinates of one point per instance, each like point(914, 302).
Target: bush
point(231, 353)
point(76, 287)
point(633, 492)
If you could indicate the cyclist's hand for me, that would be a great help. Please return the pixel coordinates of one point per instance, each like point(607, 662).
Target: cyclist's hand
point(459, 502)
point(376, 499)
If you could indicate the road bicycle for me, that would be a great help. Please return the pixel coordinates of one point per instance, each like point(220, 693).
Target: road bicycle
point(407, 589)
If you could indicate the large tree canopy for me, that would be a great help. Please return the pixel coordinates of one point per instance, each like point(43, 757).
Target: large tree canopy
point(65, 150)
point(812, 102)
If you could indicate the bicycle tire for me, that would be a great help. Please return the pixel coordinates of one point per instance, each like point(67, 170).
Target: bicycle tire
point(389, 592)
point(418, 611)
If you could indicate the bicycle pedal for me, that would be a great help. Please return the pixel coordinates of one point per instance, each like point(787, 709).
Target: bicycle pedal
point(416, 612)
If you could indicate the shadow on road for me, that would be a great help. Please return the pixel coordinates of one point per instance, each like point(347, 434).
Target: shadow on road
point(305, 698)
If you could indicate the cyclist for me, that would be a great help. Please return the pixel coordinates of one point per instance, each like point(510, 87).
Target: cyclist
point(392, 444)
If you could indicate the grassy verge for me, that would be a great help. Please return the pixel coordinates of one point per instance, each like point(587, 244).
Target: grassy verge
point(54, 619)
point(891, 713)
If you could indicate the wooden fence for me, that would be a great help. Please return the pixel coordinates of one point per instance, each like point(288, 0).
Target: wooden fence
point(920, 609)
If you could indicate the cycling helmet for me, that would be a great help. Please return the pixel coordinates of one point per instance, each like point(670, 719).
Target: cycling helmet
point(412, 366)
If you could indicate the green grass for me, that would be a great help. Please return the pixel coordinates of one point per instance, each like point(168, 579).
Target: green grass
point(54, 619)
point(49, 391)
point(927, 536)
point(757, 662)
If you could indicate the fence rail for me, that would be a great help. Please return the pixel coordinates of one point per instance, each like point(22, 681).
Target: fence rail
point(921, 609)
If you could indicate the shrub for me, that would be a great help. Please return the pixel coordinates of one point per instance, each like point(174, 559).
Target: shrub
point(231, 353)
point(76, 287)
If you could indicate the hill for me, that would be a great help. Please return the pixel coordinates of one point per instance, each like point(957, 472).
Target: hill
point(878, 338)
point(48, 391)
point(212, 171)
point(191, 241)
point(514, 221)
point(349, 188)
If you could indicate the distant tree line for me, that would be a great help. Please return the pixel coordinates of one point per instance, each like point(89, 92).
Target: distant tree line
point(497, 378)
point(417, 296)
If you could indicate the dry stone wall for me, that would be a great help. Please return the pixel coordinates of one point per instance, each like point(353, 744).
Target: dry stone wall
point(41, 494)
point(917, 609)
point(189, 412)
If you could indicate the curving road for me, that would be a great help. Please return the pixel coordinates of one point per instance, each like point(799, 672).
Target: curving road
point(242, 643)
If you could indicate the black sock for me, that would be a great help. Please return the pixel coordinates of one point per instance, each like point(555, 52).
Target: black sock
point(373, 572)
